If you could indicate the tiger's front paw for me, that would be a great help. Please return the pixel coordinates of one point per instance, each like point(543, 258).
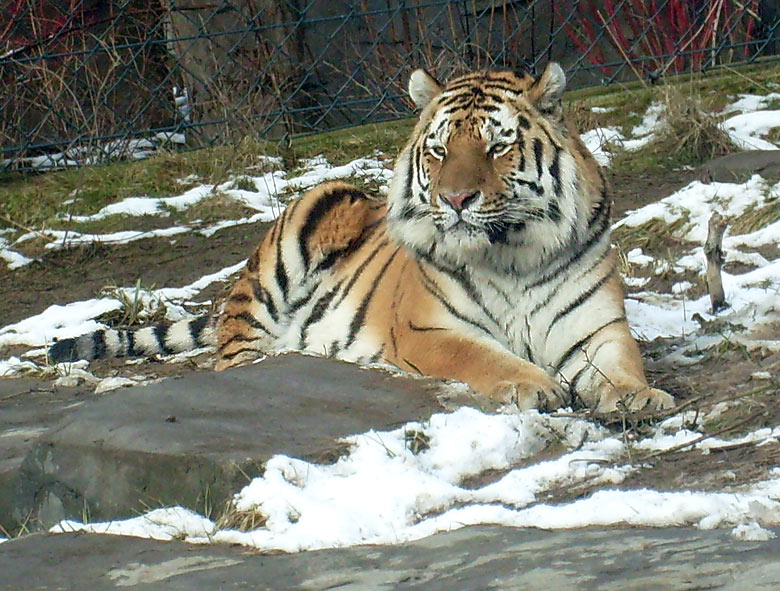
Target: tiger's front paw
point(632, 397)
point(538, 391)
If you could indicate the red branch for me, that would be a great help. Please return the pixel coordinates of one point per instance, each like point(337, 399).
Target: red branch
point(673, 36)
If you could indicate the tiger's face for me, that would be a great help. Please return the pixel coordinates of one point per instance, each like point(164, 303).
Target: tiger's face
point(490, 166)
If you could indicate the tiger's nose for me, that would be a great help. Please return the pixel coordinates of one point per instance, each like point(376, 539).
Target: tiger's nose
point(460, 201)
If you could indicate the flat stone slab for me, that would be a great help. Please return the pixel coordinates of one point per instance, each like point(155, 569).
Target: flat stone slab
point(738, 168)
point(196, 440)
point(28, 408)
point(473, 558)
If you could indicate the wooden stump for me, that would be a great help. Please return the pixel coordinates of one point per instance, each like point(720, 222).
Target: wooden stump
point(713, 250)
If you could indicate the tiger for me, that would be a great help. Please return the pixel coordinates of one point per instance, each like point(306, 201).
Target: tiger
point(488, 262)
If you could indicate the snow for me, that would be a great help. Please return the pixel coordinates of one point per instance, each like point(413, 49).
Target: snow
point(748, 103)
point(752, 295)
point(746, 130)
point(598, 140)
point(57, 321)
point(382, 493)
point(635, 256)
point(132, 149)
point(696, 203)
point(160, 524)
point(651, 121)
point(13, 259)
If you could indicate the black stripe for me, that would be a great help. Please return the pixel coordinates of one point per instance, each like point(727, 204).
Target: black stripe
point(340, 253)
point(238, 338)
point(533, 186)
point(583, 341)
point(360, 269)
point(602, 210)
point(254, 261)
point(555, 171)
point(415, 328)
point(554, 210)
point(581, 299)
point(131, 351)
point(300, 302)
point(360, 315)
point(239, 297)
point(321, 208)
point(376, 357)
point(318, 311)
point(528, 353)
point(99, 344)
point(238, 352)
point(578, 251)
point(263, 296)
point(250, 320)
point(159, 332)
point(280, 272)
point(433, 289)
point(581, 371)
point(460, 277)
point(196, 327)
point(557, 288)
point(537, 143)
point(523, 122)
point(333, 349)
point(553, 207)
point(393, 341)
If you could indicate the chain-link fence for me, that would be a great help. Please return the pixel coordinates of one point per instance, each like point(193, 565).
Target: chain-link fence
point(83, 81)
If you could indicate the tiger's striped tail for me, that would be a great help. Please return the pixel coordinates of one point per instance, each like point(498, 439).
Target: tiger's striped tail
point(181, 336)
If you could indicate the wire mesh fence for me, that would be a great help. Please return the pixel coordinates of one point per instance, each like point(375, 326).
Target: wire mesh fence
point(84, 81)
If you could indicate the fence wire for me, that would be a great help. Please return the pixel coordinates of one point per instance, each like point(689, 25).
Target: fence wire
point(85, 81)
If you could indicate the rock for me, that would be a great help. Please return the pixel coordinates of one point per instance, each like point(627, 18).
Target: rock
point(196, 440)
point(482, 557)
point(28, 408)
point(738, 168)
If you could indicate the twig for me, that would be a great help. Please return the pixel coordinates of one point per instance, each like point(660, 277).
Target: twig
point(701, 438)
point(8, 220)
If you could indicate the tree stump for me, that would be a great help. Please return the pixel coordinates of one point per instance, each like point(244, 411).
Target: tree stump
point(713, 250)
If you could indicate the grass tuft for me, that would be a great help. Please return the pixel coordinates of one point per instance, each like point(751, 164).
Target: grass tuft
point(133, 310)
point(755, 218)
point(232, 518)
point(651, 236)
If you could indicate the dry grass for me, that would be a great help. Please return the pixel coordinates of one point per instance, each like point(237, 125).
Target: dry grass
point(755, 218)
point(651, 237)
point(692, 132)
point(690, 136)
point(132, 311)
point(232, 518)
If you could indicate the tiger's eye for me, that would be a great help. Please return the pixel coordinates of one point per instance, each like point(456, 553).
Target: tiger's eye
point(437, 152)
point(498, 150)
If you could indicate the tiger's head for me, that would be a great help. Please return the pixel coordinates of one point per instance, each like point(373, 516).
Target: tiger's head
point(492, 171)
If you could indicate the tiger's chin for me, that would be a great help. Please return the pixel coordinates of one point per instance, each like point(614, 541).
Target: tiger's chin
point(462, 237)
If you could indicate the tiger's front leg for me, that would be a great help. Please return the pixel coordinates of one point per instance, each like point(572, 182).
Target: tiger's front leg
point(610, 374)
point(489, 369)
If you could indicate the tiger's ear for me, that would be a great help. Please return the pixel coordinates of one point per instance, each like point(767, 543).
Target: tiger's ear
point(546, 92)
point(423, 88)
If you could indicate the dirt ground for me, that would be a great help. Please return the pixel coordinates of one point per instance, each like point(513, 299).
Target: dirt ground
point(724, 375)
